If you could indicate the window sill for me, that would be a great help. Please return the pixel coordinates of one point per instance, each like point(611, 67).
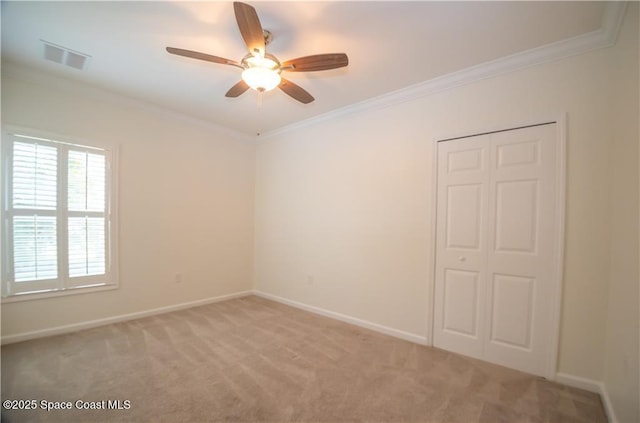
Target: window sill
point(58, 293)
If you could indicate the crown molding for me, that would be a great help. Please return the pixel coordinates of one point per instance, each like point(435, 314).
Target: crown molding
point(603, 37)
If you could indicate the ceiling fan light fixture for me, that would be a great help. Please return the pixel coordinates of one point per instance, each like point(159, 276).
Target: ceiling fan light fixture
point(261, 79)
point(261, 73)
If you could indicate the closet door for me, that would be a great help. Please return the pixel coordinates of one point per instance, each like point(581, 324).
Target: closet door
point(521, 248)
point(495, 246)
point(461, 244)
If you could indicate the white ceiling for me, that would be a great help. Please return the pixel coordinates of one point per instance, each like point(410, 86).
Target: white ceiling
point(391, 45)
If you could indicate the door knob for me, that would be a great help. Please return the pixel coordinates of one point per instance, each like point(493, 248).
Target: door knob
point(462, 258)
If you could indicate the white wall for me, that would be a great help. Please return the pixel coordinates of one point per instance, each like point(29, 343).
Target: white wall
point(621, 368)
point(347, 201)
point(185, 200)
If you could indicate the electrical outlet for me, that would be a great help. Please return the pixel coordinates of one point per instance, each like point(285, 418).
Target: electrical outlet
point(178, 278)
point(310, 280)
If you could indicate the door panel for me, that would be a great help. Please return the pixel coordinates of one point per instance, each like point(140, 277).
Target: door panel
point(512, 311)
point(516, 217)
point(495, 246)
point(522, 182)
point(461, 259)
point(522, 153)
point(460, 302)
point(463, 216)
point(458, 161)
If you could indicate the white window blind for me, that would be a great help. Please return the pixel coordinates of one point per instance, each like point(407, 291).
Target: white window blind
point(86, 181)
point(35, 173)
point(87, 186)
point(35, 252)
point(86, 246)
point(56, 216)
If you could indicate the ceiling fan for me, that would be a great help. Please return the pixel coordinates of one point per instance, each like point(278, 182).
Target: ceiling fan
point(261, 70)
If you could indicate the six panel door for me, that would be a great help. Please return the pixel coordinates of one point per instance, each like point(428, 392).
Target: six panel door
point(495, 246)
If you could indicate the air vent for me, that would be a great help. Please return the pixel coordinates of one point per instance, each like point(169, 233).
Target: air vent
point(65, 56)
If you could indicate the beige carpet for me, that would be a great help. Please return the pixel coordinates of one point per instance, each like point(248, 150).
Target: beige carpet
point(253, 360)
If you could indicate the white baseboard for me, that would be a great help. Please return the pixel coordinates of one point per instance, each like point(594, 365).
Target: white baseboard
point(59, 330)
point(407, 336)
point(579, 382)
point(591, 386)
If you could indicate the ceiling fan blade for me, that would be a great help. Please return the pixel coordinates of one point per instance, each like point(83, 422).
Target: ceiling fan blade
point(237, 89)
point(250, 27)
point(295, 91)
point(317, 62)
point(202, 56)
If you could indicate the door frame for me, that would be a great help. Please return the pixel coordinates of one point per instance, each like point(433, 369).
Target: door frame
point(550, 370)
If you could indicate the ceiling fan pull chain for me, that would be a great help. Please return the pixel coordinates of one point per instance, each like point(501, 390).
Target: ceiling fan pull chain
point(259, 113)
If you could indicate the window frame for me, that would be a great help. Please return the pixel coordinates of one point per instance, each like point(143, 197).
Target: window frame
point(63, 285)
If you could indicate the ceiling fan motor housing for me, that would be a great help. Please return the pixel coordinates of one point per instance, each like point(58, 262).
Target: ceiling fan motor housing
point(268, 36)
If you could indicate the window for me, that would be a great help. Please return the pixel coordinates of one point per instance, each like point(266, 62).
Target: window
point(58, 227)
